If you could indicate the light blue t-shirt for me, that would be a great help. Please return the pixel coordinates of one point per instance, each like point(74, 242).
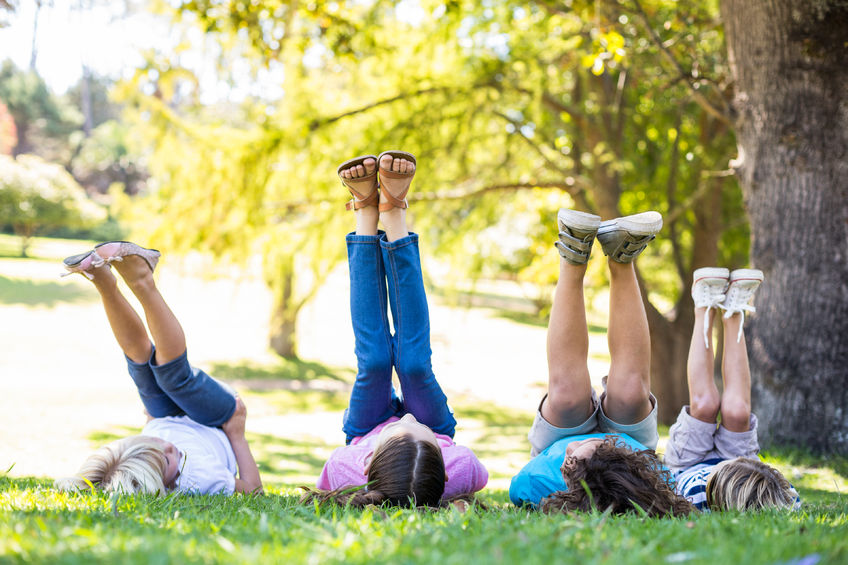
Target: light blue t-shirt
point(542, 477)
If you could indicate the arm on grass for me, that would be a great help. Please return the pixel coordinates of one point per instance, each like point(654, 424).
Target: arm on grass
point(248, 480)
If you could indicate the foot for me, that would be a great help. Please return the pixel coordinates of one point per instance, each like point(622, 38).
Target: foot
point(623, 239)
point(396, 171)
point(708, 286)
point(577, 232)
point(359, 175)
point(740, 291)
point(134, 263)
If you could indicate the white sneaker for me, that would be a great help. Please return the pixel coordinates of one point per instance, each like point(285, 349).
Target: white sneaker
point(740, 290)
point(708, 286)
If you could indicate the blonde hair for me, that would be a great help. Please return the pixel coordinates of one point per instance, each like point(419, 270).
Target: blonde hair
point(130, 465)
point(748, 485)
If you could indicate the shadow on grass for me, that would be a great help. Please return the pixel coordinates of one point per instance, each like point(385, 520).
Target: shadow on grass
point(38, 293)
point(795, 456)
point(285, 369)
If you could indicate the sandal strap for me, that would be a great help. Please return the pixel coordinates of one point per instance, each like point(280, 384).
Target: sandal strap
point(388, 201)
point(360, 200)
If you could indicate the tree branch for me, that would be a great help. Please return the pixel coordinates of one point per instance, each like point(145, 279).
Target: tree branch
point(703, 188)
point(721, 114)
point(320, 122)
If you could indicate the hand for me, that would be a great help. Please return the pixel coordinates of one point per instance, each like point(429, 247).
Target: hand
point(234, 427)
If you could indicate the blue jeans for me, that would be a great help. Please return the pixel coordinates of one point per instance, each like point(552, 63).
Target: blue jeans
point(374, 262)
point(178, 389)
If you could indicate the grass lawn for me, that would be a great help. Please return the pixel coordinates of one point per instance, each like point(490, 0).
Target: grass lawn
point(40, 525)
point(290, 404)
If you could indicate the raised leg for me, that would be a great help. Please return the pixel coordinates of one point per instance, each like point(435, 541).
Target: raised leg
point(569, 400)
point(736, 400)
point(422, 395)
point(703, 394)
point(127, 327)
point(167, 333)
point(198, 395)
point(133, 340)
point(629, 383)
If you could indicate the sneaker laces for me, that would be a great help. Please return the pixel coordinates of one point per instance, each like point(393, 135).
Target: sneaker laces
point(739, 298)
point(741, 309)
point(708, 295)
point(715, 303)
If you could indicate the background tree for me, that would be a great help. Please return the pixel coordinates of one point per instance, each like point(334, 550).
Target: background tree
point(43, 121)
point(8, 135)
point(514, 109)
point(788, 61)
point(37, 197)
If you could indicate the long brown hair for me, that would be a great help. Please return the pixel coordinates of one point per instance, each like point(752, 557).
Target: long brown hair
point(403, 472)
point(617, 479)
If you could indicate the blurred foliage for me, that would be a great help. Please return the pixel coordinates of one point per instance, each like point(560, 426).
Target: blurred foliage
point(514, 110)
point(37, 197)
point(8, 134)
point(43, 121)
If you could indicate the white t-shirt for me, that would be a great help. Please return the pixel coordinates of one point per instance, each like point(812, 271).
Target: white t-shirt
point(208, 464)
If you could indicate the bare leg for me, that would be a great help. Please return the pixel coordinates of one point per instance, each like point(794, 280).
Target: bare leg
point(366, 218)
point(736, 401)
point(394, 220)
point(164, 327)
point(629, 383)
point(703, 395)
point(568, 403)
point(126, 324)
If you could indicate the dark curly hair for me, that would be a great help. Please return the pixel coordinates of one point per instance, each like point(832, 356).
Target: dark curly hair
point(620, 480)
point(403, 472)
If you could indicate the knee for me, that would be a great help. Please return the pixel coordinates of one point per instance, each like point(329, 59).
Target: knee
point(736, 414)
point(413, 368)
point(704, 407)
point(568, 399)
point(375, 364)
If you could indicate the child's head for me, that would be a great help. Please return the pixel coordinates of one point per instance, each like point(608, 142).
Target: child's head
point(136, 464)
point(748, 484)
point(406, 470)
point(618, 479)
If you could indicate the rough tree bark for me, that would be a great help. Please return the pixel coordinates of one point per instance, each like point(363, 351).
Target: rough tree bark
point(788, 60)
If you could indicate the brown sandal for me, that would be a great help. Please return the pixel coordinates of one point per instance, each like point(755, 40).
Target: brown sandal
point(387, 201)
point(356, 185)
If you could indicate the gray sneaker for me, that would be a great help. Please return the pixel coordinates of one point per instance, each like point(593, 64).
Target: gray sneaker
point(576, 235)
point(623, 239)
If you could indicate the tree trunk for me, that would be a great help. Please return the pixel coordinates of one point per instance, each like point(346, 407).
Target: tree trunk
point(788, 60)
point(283, 332)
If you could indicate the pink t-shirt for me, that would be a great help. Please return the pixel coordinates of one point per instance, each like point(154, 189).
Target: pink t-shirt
point(346, 465)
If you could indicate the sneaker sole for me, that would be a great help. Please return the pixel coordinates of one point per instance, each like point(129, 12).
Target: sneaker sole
point(746, 275)
point(646, 223)
point(710, 273)
point(581, 221)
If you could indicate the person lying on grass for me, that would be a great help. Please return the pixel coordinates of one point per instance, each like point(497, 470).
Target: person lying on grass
point(589, 452)
point(716, 464)
point(400, 448)
point(194, 438)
